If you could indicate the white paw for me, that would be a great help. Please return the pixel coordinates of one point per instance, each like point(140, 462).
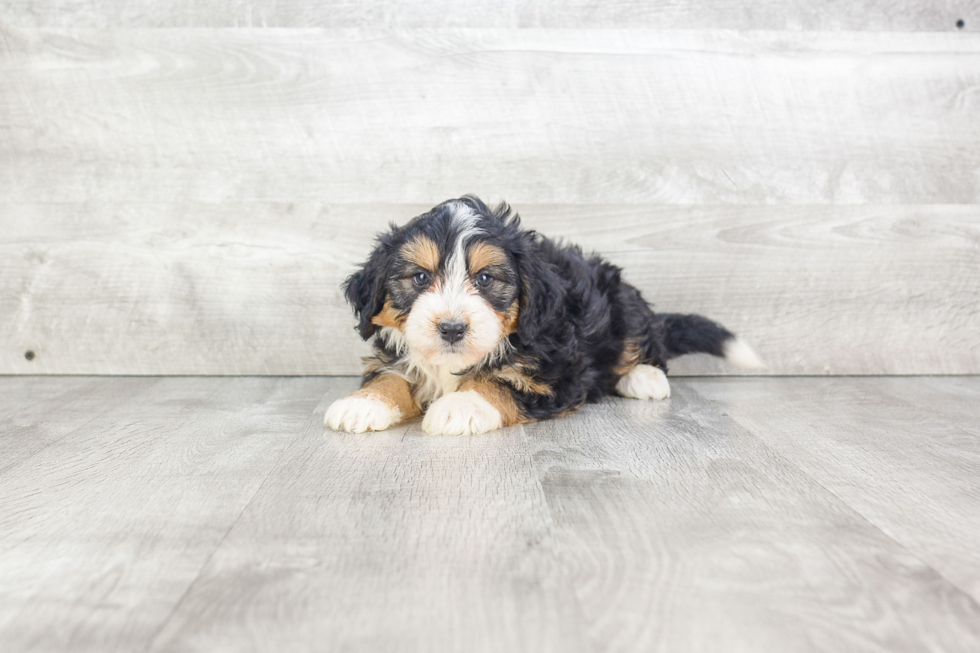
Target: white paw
point(644, 382)
point(461, 413)
point(359, 414)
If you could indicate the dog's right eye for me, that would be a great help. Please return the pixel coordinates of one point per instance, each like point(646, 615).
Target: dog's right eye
point(421, 279)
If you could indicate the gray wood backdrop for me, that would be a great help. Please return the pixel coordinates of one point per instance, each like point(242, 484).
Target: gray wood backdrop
point(184, 185)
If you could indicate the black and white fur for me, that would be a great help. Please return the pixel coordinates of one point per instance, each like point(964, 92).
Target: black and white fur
point(479, 323)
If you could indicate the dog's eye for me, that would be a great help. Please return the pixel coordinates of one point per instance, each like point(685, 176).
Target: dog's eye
point(483, 280)
point(421, 279)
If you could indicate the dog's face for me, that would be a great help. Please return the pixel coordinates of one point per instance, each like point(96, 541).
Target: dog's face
point(450, 285)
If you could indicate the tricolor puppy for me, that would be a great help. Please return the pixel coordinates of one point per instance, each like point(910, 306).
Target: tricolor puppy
point(479, 324)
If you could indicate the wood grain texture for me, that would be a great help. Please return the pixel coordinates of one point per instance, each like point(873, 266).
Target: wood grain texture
point(386, 542)
point(188, 200)
point(952, 398)
point(38, 412)
point(906, 469)
point(880, 15)
point(102, 532)
point(549, 115)
point(254, 288)
point(684, 531)
point(216, 515)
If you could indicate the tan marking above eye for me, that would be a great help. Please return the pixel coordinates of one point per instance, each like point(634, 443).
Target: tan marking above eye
point(423, 252)
point(483, 255)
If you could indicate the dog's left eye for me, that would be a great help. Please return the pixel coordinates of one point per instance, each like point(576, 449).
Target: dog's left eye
point(483, 280)
point(421, 279)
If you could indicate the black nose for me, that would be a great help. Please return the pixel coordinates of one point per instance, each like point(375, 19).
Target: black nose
point(452, 331)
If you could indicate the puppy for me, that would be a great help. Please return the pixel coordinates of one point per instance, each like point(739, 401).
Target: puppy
point(480, 324)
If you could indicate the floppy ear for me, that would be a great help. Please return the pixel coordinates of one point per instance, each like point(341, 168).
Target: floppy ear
point(365, 290)
point(542, 293)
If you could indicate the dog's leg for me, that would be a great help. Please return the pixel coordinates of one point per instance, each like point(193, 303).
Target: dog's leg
point(477, 407)
point(644, 382)
point(381, 403)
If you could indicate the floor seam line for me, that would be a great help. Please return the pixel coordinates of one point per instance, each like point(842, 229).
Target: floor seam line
point(151, 641)
point(901, 545)
point(552, 535)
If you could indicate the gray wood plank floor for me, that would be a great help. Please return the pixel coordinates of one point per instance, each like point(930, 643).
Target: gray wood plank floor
point(743, 514)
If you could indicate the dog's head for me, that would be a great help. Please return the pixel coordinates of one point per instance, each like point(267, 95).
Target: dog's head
point(454, 283)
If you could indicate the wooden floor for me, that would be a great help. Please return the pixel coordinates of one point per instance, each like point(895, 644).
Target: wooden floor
point(744, 514)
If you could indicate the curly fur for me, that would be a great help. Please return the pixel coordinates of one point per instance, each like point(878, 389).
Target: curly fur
point(568, 328)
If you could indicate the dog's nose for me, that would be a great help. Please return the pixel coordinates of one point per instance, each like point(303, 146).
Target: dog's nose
point(452, 330)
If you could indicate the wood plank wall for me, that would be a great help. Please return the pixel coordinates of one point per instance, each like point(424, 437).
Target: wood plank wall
point(183, 187)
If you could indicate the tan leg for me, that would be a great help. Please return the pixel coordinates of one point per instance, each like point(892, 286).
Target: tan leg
point(477, 407)
point(381, 403)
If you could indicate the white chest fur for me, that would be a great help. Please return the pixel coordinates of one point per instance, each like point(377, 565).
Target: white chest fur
point(431, 381)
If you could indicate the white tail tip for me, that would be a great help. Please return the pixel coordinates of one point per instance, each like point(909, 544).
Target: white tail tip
point(737, 352)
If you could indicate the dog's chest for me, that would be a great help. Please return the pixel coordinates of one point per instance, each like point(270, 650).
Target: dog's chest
point(432, 381)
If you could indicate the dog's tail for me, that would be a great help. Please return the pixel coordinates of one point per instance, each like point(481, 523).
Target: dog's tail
point(692, 334)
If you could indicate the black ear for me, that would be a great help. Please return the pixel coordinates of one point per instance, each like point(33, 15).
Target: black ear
point(365, 290)
point(542, 292)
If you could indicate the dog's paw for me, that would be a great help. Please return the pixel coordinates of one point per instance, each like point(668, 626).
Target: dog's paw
point(359, 414)
point(461, 413)
point(644, 382)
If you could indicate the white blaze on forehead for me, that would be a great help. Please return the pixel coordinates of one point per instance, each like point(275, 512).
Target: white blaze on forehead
point(464, 222)
point(464, 217)
point(455, 298)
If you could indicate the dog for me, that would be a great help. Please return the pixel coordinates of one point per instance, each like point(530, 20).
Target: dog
point(481, 324)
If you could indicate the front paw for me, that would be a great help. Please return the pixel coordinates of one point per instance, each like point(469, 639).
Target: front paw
point(359, 414)
point(461, 413)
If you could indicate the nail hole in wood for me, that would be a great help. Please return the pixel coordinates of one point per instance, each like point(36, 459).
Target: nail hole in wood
point(29, 355)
